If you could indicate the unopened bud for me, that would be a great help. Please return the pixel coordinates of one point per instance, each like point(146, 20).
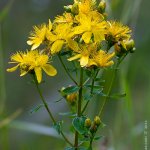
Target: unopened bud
point(88, 123)
point(71, 98)
point(75, 9)
point(97, 120)
point(130, 45)
point(68, 8)
point(93, 128)
point(102, 6)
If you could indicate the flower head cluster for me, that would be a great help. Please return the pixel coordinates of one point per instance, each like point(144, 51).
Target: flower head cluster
point(31, 61)
point(81, 29)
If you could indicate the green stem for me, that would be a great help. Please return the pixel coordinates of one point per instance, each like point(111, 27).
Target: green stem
point(48, 110)
point(92, 87)
point(111, 83)
point(67, 70)
point(79, 106)
point(2, 75)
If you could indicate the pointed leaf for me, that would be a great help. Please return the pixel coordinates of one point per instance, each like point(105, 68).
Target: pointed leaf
point(71, 89)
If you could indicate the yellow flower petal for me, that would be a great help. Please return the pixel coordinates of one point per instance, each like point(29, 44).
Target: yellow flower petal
point(38, 73)
point(98, 36)
point(35, 46)
point(29, 42)
point(13, 69)
point(87, 37)
point(49, 25)
point(73, 45)
point(75, 57)
point(50, 70)
point(23, 72)
point(57, 46)
point(84, 61)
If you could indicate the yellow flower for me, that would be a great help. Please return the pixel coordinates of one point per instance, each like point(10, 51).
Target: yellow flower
point(82, 52)
point(86, 6)
point(38, 35)
point(89, 55)
point(89, 25)
point(65, 18)
point(32, 61)
point(116, 31)
point(59, 36)
point(102, 59)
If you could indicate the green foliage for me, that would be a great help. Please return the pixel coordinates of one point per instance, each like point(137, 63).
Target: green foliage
point(70, 90)
point(58, 126)
point(37, 108)
point(78, 124)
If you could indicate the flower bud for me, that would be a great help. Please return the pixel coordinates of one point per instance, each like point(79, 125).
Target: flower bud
point(68, 8)
point(97, 120)
point(88, 123)
point(130, 45)
point(71, 98)
point(102, 6)
point(93, 128)
point(75, 9)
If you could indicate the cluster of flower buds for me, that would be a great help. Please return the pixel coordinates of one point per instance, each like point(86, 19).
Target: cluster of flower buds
point(93, 125)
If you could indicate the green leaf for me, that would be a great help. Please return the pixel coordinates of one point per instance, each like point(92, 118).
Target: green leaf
point(88, 97)
point(35, 109)
point(58, 126)
point(68, 114)
point(117, 96)
point(59, 100)
point(82, 148)
point(114, 96)
point(70, 90)
point(98, 137)
point(88, 72)
point(64, 53)
point(102, 125)
point(69, 148)
point(72, 69)
point(78, 124)
point(99, 80)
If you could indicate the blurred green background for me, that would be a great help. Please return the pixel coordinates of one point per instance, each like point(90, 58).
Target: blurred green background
point(126, 119)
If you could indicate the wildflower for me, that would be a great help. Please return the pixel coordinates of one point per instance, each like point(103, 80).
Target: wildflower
point(32, 61)
point(65, 18)
point(83, 52)
point(59, 36)
point(89, 55)
point(116, 31)
point(90, 25)
point(86, 6)
point(102, 59)
point(38, 35)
